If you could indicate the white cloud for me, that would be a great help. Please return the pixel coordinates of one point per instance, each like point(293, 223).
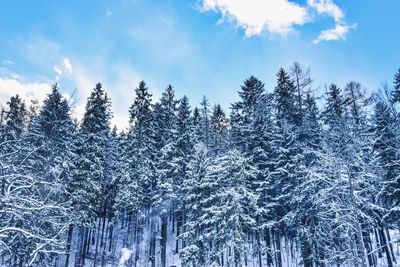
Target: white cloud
point(338, 33)
point(327, 7)
point(257, 16)
point(64, 67)
point(27, 90)
point(279, 16)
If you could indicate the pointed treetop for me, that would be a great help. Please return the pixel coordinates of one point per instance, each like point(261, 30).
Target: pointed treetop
point(98, 112)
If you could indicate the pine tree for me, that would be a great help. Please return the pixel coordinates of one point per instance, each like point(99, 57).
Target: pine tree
point(199, 188)
point(231, 216)
point(89, 182)
point(40, 175)
point(244, 111)
point(355, 99)
point(139, 151)
point(15, 118)
point(386, 149)
point(219, 129)
point(51, 134)
point(335, 109)
point(204, 124)
point(183, 154)
point(395, 95)
point(168, 109)
point(285, 99)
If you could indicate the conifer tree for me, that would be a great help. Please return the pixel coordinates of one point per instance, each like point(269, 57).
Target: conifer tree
point(140, 143)
point(90, 180)
point(199, 188)
point(219, 129)
point(15, 118)
point(232, 215)
point(205, 124)
point(395, 95)
point(285, 99)
point(51, 134)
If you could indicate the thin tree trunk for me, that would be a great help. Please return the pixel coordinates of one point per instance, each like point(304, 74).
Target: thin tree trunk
point(102, 246)
point(178, 228)
point(390, 244)
point(385, 247)
point(378, 243)
point(368, 248)
point(110, 237)
point(279, 252)
point(85, 246)
point(97, 242)
point(163, 241)
point(69, 239)
point(269, 247)
point(152, 243)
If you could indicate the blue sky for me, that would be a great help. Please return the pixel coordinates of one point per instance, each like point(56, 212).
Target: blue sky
point(201, 47)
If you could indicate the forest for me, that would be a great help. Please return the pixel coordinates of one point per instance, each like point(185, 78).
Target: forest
point(291, 175)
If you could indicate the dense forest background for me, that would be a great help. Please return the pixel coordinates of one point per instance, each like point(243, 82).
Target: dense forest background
point(287, 178)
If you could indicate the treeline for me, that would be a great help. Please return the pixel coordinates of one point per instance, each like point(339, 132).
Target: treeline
point(277, 181)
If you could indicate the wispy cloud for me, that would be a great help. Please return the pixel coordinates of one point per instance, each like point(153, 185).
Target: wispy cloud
point(327, 7)
point(7, 62)
point(337, 33)
point(64, 67)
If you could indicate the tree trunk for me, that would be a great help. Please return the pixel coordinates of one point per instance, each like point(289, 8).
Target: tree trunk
point(368, 248)
point(278, 248)
point(269, 247)
point(390, 244)
point(152, 243)
point(102, 245)
point(97, 243)
point(69, 239)
point(259, 250)
point(385, 247)
point(163, 241)
point(85, 246)
point(178, 228)
point(306, 253)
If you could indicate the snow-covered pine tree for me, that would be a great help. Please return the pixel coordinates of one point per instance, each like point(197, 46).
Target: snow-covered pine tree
point(287, 154)
point(204, 123)
point(231, 215)
point(219, 124)
point(200, 188)
point(395, 94)
point(244, 112)
point(51, 134)
point(167, 122)
point(183, 154)
point(387, 167)
point(299, 219)
point(252, 132)
point(285, 99)
point(140, 144)
point(15, 119)
point(89, 182)
point(140, 155)
point(165, 119)
point(38, 174)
